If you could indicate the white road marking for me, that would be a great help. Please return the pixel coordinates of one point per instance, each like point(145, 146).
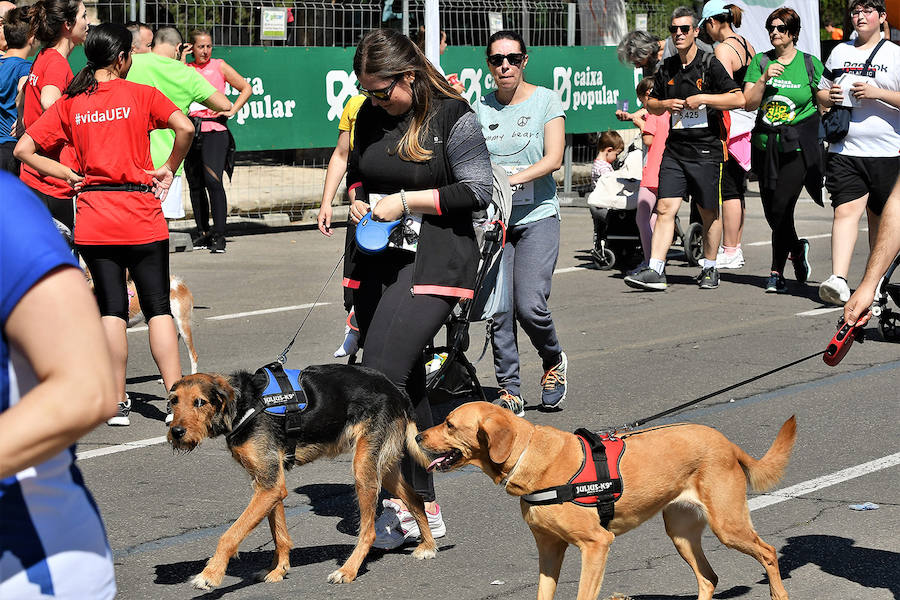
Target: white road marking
point(570, 270)
point(264, 311)
point(807, 487)
point(134, 329)
point(819, 311)
point(119, 448)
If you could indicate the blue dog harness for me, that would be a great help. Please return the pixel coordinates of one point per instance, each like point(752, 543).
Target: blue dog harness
point(282, 397)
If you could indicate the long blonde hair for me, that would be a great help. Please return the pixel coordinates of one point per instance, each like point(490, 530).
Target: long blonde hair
point(388, 54)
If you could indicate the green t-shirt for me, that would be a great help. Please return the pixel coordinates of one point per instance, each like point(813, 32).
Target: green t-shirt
point(179, 83)
point(787, 99)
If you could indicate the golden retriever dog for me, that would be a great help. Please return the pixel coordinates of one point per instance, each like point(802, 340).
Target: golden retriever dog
point(691, 473)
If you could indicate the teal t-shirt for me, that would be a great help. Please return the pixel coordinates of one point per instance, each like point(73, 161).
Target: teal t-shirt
point(787, 99)
point(179, 83)
point(515, 138)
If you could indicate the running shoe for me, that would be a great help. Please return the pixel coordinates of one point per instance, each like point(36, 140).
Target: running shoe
point(121, 419)
point(513, 402)
point(776, 284)
point(834, 290)
point(800, 259)
point(217, 244)
point(735, 260)
point(350, 345)
point(644, 264)
point(396, 526)
point(709, 278)
point(169, 414)
point(554, 385)
point(648, 280)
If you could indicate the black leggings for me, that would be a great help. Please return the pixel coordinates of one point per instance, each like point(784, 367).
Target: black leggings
point(203, 169)
point(148, 265)
point(779, 204)
point(395, 326)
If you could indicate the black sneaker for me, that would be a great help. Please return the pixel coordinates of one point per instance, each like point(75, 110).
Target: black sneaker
point(201, 241)
point(121, 419)
point(800, 259)
point(647, 279)
point(217, 244)
point(776, 284)
point(709, 278)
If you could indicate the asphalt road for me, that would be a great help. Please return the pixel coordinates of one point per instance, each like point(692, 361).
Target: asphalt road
point(631, 355)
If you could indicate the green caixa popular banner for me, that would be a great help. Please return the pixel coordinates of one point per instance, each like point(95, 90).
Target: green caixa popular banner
point(299, 93)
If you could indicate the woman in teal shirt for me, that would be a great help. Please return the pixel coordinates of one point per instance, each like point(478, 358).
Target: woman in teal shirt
point(524, 127)
point(786, 149)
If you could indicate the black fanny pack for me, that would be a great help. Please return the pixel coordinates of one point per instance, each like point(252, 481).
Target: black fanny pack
point(836, 122)
point(144, 188)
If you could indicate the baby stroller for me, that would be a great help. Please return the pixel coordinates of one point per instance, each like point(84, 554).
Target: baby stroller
point(887, 292)
point(613, 207)
point(449, 374)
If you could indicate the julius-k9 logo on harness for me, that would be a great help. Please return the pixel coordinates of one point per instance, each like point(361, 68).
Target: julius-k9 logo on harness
point(283, 396)
point(597, 483)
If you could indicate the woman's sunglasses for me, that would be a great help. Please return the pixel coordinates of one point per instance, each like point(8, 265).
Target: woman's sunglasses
point(780, 28)
point(682, 28)
point(515, 59)
point(384, 94)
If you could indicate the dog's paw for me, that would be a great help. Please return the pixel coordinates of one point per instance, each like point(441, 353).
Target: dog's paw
point(204, 581)
point(340, 576)
point(424, 553)
point(267, 576)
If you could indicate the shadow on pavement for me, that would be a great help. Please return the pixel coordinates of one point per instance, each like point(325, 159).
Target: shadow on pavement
point(840, 557)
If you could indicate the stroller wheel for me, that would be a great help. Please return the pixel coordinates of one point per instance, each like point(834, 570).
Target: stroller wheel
point(693, 244)
point(889, 326)
point(603, 258)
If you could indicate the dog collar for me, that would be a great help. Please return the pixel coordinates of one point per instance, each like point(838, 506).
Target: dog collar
point(505, 481)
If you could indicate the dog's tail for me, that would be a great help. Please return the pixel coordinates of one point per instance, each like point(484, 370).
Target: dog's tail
point(413, 449)
point(764, 473)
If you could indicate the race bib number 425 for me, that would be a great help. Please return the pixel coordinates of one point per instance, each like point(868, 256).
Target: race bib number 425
point(690, 118)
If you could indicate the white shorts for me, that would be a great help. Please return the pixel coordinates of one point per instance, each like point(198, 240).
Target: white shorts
point(172, 206)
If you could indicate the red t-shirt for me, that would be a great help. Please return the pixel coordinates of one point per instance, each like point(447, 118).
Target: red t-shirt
point(109, 129)
point(50, 68)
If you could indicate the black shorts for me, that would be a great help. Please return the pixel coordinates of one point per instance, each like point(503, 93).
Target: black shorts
point(148, 265)
point(848, 178)
point(699, 181)
point(734, 181)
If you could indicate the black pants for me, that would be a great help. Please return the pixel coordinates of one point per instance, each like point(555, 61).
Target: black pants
point(8, 162)
point(61, 209)
point(779, 203)
point(395, 326)
point(148, 265)
point(203, 168)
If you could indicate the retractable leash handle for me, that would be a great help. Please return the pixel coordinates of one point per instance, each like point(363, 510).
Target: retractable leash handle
point(372, 236)
point(840, 344)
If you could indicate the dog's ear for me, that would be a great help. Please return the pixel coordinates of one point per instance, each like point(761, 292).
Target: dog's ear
point(222, 390)
point(499, 438)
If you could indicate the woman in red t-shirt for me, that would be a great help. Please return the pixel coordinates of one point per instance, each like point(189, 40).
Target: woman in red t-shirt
point(120, 222)
point(59, 25)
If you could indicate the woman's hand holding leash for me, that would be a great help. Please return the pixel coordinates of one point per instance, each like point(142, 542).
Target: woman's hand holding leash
point(389, 208)
point(358, 209)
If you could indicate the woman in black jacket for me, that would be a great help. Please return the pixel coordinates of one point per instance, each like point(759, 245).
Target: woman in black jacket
point(419, 155)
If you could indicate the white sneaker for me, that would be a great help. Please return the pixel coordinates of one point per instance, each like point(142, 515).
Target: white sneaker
point(396, 526)
point(121, 419)
point(350, 345)
point(834, 290)
point(730, 261)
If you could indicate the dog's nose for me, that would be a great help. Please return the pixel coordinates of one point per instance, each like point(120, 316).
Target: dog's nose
point(177, 432)
point(419, 439)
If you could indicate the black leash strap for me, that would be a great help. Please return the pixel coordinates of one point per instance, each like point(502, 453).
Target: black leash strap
point(664, 413)
point(282, 358)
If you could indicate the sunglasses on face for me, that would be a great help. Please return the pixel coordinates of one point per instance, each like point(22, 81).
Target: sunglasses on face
point(779, 28)
point(673, 29)
point(515, 59)
point(383, 94)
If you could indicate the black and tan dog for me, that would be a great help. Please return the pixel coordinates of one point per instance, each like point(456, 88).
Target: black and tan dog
point(348, 408)
point(692, 473)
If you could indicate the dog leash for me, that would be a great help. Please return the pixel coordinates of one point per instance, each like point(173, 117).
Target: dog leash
point(282, 358)
point(680, 407)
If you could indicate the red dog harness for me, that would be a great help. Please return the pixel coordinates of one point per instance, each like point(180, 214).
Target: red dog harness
point(597, 483)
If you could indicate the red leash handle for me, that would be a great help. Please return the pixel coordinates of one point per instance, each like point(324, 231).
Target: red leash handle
point(842, 340)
